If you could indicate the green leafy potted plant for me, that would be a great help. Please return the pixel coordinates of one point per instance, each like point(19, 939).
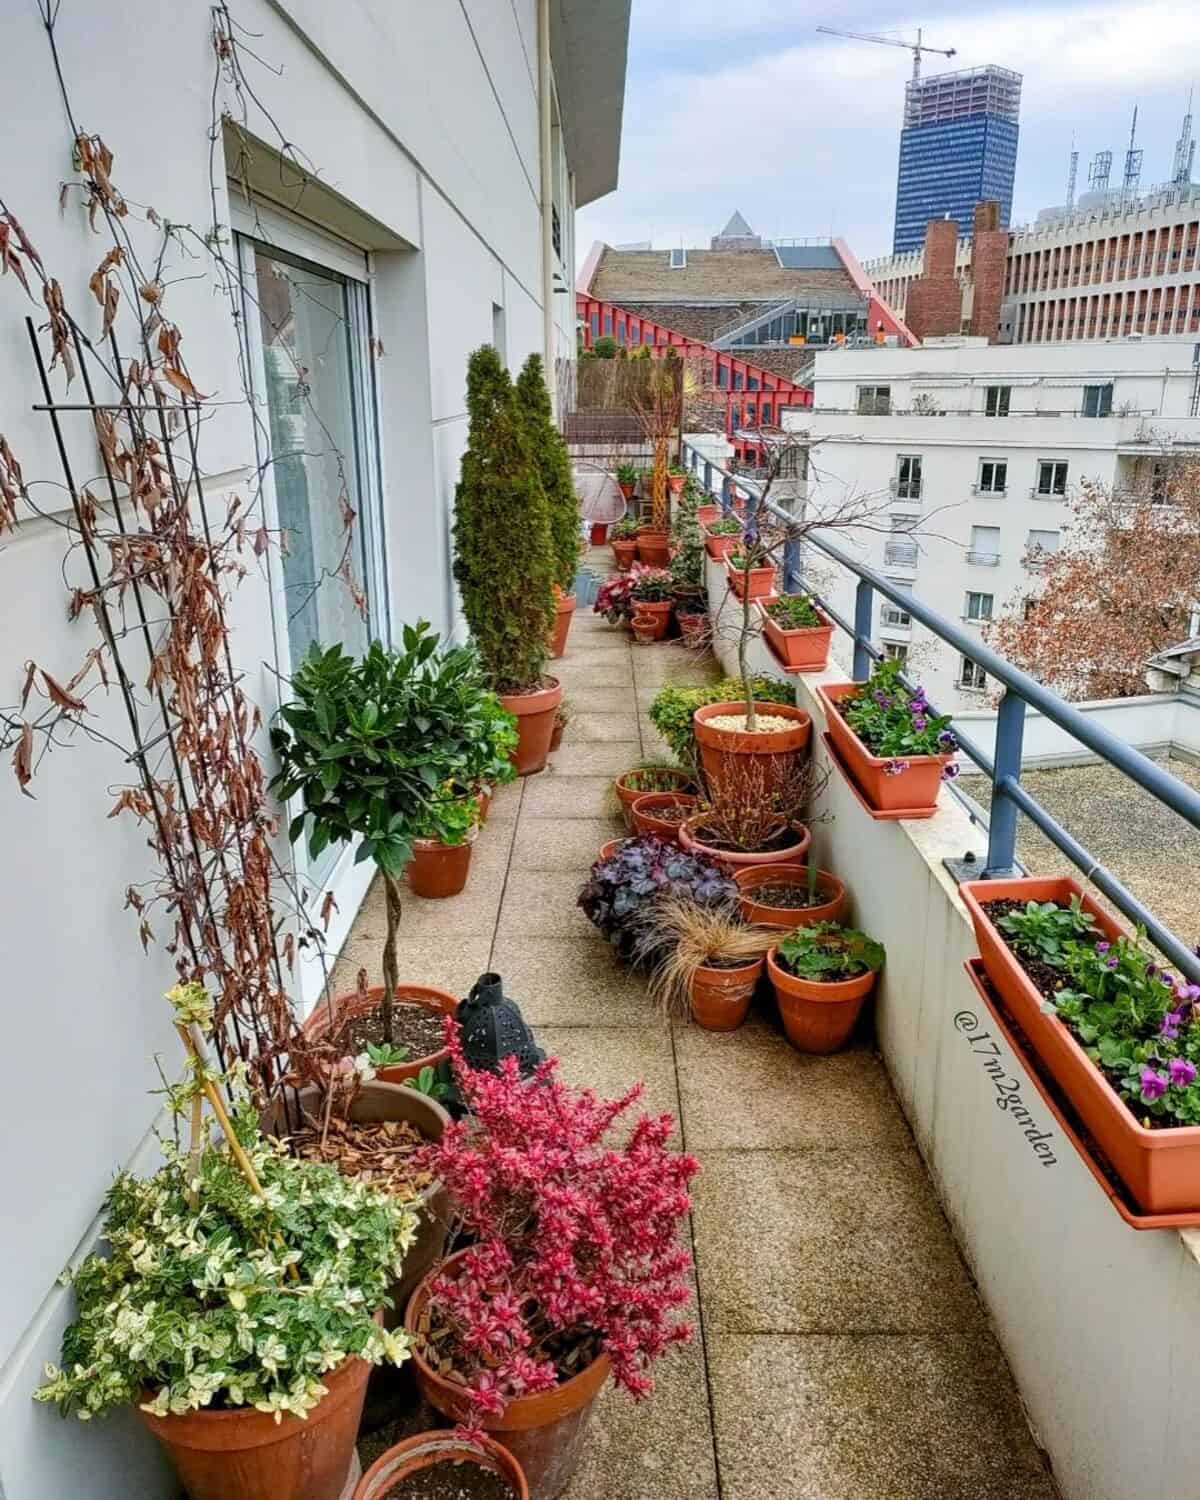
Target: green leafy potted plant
point(504, 557)
point(750, 573)
point(653, 594)
point(821, 975)
point(707, 960)
point(797, 632)
point(489, 745)
point(624, 542)
point(893, 745)
point(558, 485)
point(627, 478)
point(234, 1302)
point(442, 844)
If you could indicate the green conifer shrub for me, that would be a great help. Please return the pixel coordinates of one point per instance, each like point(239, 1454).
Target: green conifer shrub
point(503, 556)
point(554, 467)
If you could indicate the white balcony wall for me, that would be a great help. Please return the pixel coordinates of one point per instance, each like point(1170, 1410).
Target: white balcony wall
point(1089, 1312)
point(421, 123)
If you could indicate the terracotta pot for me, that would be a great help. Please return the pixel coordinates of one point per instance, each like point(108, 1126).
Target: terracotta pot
point(691, 838)
point(719, 547)
point(439, 870)
point(599, 533)
point(658, 610)
point(535, 724)
point(729, 751)
point(761, 581)
point(803, 650)
point(608, 850)
point(627, 491)
point(817, 1017)
point(376, 1101)
point(544, 1433)
point(693, 628)
point(564, 611)
point(914, 787)
point(645, 810)
point(1161, 1168)
point(721, 997)
point(707, 514)
point(676, 482)
point(330, 1018)
point(246, 1455)
point(556, 735)
point(654, 547)
point(624, 551)
point(429, 1448)
point(750, 877)
point(645, 628)
point(483, 795)
point(627, 795)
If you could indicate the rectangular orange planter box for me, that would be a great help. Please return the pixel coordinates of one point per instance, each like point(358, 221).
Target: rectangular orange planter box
point(761, 581)
point(1161, 1168)
point(805, 649)
point(719, 547)
point(916, 786)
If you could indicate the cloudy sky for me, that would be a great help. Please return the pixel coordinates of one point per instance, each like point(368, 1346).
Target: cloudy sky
point(740, 104)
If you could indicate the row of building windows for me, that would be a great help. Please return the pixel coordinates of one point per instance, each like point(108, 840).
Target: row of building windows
point(1050, 477)
point(1125, 257)
point(1152, 310)
point(876, 401)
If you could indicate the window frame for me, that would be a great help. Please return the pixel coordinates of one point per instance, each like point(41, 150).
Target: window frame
point(970, 678)
point(993, 463)
point(1103, 400)
point(873, 406)
point(979, 618)
point(910, 488)
point(1053, 464)
point(1033, 531)
point(999, 397)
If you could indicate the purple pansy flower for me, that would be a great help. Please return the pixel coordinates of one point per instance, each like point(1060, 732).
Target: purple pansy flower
point(919, 721)
point(1111, 963)
point(1154, 1084)
point(1169, 1026)
point(949, 772)
point(1103, 947)
point(1182, 1072)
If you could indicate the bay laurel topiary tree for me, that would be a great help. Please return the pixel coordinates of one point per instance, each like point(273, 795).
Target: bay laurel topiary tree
point(554, 469)
point(503, 555)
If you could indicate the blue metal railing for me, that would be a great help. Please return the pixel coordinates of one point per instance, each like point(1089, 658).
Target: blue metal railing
point(1009, 797)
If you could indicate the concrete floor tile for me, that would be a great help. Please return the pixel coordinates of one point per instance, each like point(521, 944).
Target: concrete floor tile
point(572, 982)
point(873, 1417)
point(613, 670)
point(542, 903)
point(599, 728)
point(609, 758)
point(611, 1059)
point(755, 1091)
point(604, 637)
point(581, 666)
point(473, 910)
point(660, 1449)
point(424, 960)
point(819, 1240)
point(614, 701)
point(553, 796)
point(562, 844)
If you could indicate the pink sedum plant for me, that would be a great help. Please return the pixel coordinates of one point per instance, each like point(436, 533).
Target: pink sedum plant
point(576, 1241)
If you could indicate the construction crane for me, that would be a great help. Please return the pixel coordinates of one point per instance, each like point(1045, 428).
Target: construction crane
point(916, 48)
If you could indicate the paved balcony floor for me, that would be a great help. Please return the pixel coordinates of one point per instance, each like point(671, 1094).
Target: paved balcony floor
point(843, 1352)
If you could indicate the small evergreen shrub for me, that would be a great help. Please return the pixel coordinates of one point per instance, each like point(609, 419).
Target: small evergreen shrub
point(554, 469)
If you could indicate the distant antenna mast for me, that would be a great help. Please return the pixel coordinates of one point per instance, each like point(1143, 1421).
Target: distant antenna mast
point(1133, 161)
point(1099, 171)
point(1072, 173)
point(1185, 150)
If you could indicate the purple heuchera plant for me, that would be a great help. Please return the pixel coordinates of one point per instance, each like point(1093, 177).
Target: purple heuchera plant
point(641, 869)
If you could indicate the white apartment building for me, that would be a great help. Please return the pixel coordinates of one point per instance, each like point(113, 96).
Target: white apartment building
point(1111, 266)
point(973, 452)
point(396, 185)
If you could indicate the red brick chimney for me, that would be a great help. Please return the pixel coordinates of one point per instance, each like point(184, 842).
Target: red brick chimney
point(934, 304)
point(989, 254)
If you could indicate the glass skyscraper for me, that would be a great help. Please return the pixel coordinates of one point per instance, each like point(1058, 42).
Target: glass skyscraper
point(958, 145)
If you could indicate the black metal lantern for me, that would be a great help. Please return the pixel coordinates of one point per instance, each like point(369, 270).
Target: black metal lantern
point(493, 1028)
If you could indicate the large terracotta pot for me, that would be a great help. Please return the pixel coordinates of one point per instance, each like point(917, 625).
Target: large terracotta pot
point(544, 1433)
point(691, 837)
point(750, 877)
point(329, 1018)
point(817, 1017)
point(627, 795)
point(438, 870)
point(246, 1455)
point(654, 547)
point(647, 819)
point(429, 1448)
point(624, 550)
point(535, 724)
point(729, 751)
point(1161, 1168)
point(761, 581)
point(565, 610)
point(720, 998)
point(914, 787)
point(659, 610)
point(803, 650)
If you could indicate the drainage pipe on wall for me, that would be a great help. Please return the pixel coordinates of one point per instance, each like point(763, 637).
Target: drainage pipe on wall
point(545, 104)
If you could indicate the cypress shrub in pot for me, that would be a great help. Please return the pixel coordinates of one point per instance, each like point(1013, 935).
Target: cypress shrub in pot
point(504, 561)
point(553, 463)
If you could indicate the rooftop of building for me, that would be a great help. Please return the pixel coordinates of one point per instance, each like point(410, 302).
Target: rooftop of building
point(721, 278)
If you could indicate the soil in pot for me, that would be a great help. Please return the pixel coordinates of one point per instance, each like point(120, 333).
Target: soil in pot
point(414, 1026)
point(662, 814)
point(356, 1019)
point(450, 1481)
point(379, 1152)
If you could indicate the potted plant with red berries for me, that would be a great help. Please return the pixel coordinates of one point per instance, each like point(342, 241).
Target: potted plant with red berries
point(575, 1272)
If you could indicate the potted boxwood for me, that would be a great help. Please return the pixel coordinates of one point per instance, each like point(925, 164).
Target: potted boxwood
point(720, 537)
point(575, 1271)
point(708, 961)
point(631, 785)
point(446, 1451)
point(504, 557)
point(234, 1302)
point(1117, 1028)
point(624, 542)
point(821, 975)
point(797, 632)
point(558, 485)
point(785, 896)
point(889, 739)
point(442, 842)
point(638, 871)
